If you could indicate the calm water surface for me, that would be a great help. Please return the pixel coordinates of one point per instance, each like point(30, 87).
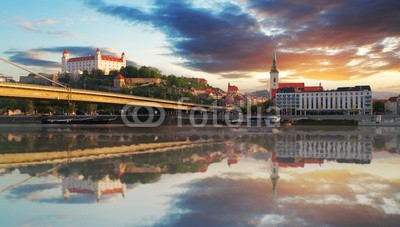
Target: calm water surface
point(295, 176)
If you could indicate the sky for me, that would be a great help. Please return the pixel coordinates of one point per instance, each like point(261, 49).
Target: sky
point(335, 43)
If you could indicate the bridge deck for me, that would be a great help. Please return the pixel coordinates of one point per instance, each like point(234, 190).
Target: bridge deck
point(19, 90)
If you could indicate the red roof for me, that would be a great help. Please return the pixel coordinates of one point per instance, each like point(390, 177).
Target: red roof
point(233, 88)
point(202, 80)
point(392, 99)
point(209, 159)
point(108, 58)
point(87, 58)
point(65, 51)
point(123, 53)
point(293, 85)
point(119, 76)
point(313, 88)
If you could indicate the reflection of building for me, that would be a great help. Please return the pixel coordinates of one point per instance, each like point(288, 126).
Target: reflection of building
point(98, 188)
point(121, 168)
point(299, 149)
point(343, 149)
point(232, 158)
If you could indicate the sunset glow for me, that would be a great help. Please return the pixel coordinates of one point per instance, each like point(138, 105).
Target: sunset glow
point(339, 43)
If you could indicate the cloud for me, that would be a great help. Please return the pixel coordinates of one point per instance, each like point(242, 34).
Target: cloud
point(313, 198)
point(28, 191)
point(307, 34)
point(235, 75)
point(42, 26)
point(31, 58)
point(35, 57)
point(28, 26)
point(47, 21)
point(226, 41)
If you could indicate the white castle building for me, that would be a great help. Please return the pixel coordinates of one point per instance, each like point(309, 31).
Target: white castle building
point(98, 61)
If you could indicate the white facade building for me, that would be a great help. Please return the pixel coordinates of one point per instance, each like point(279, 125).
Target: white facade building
point(341, 101)
point(98, 61)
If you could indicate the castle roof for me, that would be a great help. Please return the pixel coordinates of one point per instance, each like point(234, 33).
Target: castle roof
point(119, 76)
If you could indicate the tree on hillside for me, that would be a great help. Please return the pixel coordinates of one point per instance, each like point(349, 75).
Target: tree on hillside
point(130, 71)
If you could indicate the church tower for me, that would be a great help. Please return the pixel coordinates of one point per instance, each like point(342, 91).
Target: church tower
point(273, 77)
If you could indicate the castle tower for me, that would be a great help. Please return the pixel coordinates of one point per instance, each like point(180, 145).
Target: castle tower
point(98, 54)
point(123, 58)
point(273, 77)
point(64, 60)
point(97, 59)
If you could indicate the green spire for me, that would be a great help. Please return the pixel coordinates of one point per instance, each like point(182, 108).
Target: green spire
point(274, 69)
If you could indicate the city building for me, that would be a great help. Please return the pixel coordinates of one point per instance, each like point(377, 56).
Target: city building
point(79, 64)
point(233, 97)
point(5, 78)
point(344, 100)
point(398, 105)
point(34, 79)
point(392, 105)
point(298, 99)
point(202, 81)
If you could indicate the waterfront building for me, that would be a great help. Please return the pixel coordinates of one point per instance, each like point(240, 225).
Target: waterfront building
point(79, 64)
point(392, 105)
point(5, 78)
point(298, 99)
point(233, 97)
point(34, 79)
point(398, 105)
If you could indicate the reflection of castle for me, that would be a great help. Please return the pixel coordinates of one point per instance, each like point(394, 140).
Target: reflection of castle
point(98, 188)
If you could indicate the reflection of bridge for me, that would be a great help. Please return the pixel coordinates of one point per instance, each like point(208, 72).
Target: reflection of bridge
point(17, 90)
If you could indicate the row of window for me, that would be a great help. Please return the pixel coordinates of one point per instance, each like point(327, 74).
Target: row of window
point(321, 94)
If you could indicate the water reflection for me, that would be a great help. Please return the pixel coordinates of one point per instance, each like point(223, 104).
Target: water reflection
point(285, 167)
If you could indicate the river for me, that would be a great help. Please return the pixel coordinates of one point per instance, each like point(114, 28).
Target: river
point(112, 175)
